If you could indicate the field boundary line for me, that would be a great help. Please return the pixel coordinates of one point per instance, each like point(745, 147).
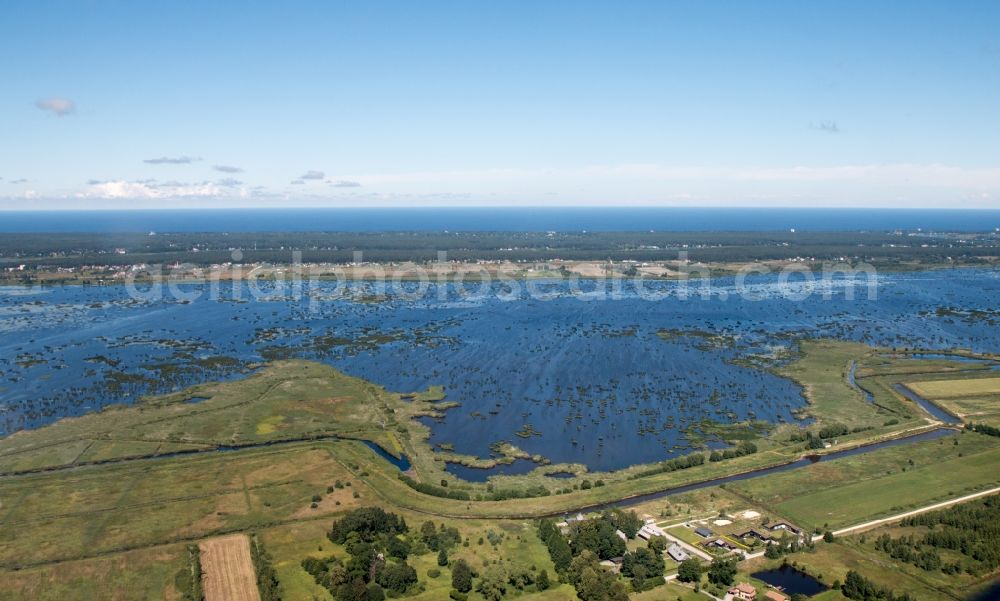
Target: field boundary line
point(925, 509)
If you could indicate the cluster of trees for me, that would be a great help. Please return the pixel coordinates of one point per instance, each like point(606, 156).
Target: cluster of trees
point(908, 549)
point(516, 493)
point(628, 522)
point(645, 568)
point(366, 576)
point(744, 448)
point(368, 523)
point(597, 536)
point(672, 465)
point(722, 572)
point(86, 249)
point(593, 582)
point(439, 539)
point(498, 579)
point(557, 545)
point(577, 558)
point(379, 543)
point(371, 537)
point(267, 578)
point(859, 588)
point(434, 491)
point(461, 495)
point(188, 579)
point(788, 544)
point(972, 529)
point(983, 429)
point(815, 440)
point(76, 249)
point(689, 570)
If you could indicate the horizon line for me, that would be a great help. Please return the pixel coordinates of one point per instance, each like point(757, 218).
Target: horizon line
point(491, 206)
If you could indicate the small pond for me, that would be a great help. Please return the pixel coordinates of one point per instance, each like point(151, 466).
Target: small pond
point(402, 462)
point(791, 581)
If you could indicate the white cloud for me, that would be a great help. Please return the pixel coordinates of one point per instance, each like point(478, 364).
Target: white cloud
point(140, 190)
point(181, 160)
point(60, 107)
point(874, 185)
point(312, 174)
point(227, 169)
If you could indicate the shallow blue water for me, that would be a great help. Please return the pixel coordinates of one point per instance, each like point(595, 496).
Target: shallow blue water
point(935, 411)
point(402, 462)
point(592, 377)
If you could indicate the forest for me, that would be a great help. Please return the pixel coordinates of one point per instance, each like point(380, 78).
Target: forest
point(74, 250)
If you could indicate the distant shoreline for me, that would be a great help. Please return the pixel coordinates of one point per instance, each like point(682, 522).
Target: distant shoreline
point(498, 219)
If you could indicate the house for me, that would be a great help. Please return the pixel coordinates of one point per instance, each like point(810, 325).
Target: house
point(703, 532)
point(677, 553)
point(744, 591)
point(648, 531)
point(774, 595)
point(611, 566)
point(565, 525)
point(720, 543)
point(750, 535)
point(621, 535)
point(783, 526)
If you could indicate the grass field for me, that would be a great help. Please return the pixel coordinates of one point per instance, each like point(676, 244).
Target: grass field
point(849, 491)
point(141, 575)
point(518, 546)
point(949, 389)
point(127, 522)
point(286, 400)
point(670, 591)
point(77, 514)
point(227, 570)
point(971, 398)
point(831, 562)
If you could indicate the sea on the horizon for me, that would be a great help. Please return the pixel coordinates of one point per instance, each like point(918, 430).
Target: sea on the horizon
point(508, 219)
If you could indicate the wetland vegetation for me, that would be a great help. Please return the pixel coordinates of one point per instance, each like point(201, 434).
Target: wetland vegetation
point(280, 427)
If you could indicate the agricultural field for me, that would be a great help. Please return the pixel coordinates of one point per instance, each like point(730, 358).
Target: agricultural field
point(227, 570)
point(973, 399)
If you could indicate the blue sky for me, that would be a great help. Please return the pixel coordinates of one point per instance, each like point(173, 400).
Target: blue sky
point(524, 103)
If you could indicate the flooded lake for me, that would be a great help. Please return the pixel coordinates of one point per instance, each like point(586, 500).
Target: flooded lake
point(591, 378)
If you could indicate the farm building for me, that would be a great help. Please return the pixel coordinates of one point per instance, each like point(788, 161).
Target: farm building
point(773, 595)
point(703, 532)
point(650, 530)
